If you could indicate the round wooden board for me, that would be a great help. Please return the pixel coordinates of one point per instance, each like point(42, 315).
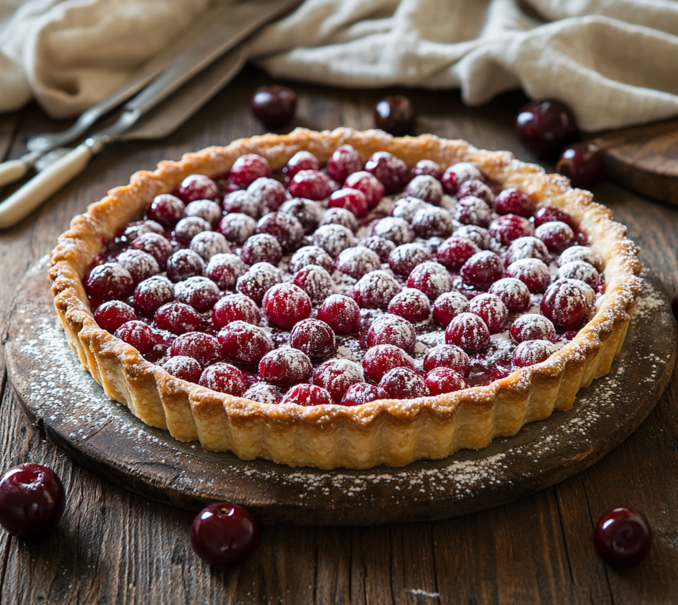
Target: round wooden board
point(106, 438)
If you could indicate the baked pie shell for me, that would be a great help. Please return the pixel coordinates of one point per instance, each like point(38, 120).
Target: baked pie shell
point(391, 432)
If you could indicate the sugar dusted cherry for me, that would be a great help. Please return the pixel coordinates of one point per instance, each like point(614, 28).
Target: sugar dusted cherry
point(512, 292)
point(455, 251)
point(514, 201)
point(198, 187)
point(333, 239)
point(477, 188)
point(381, 359)
point(337, 375)
point(235, 307)
point(447, 356)
point(274, 105)
point(285, 367)
point(307, 395)
point(225, 269)
point(580, 253)
point(406, 207)
point(137, 334)
point(375, 290)
point(188, 227)
point(531, 352)
point(310, 255)
point(472, 210)
point(390, 170)
point(473, 233)
point(353, 200)
point(532, 272)
point(549, 214)
point(428, 167)
point(510, 227)
point(302, 160)
point(394, 115)
point(426, 188)
point(225, 378)
point(444, 380)
point(410, 304)
point(283, 227)
point(408, 256)
point(314, 337)
point(546, 126)
point(184, 368)
point(247, 169)
point(357, 261)
point(316, 282)
point(236, 227)
point(264, 393)
point(468, 331)
point(491, 310)
point(262, 248)
point(448, 306)
point(579, 270)
point(432, 222)
point(527, 247)
point(482, 270)
point(32, 500)
point(622, 537)
point(392, 330)
point(340, 216)
point(431, 278)
point(268, 193)
point(112, 314)
point(362, 392)
point(177, 318)
point(344, 161)
point(307, 212)
point(166, 209)
point(184, 264)
point(207, 210)
point(108, 282)
point(532, 327)
point(209, 243)
point(457, 174)
point(565, 304)
point(310, 184)
point(154, 244)
point(244, 343)
point(285, 305)
point(243, 202)
point(369, 184)
point(203, 348)
point(153, 293)
point(403, 383)
point(556, 235)
point(341, 313)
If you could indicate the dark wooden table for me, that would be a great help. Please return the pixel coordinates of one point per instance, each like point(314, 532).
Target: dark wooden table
point(116, 547)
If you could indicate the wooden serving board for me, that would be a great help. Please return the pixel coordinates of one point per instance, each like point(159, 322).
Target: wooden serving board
point(106, 438)
point(644, 158)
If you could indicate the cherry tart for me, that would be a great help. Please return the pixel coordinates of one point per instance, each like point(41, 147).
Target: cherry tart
point(345, 299)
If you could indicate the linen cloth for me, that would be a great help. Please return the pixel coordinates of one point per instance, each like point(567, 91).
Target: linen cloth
point(615, 62)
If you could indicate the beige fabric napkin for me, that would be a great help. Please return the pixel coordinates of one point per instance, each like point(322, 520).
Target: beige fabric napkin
point(613, 61)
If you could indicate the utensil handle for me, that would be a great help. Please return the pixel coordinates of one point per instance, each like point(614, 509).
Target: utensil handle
point(29, 197)
point(12, 171)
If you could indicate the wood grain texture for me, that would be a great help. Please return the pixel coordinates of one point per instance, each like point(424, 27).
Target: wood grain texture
point(113, 546)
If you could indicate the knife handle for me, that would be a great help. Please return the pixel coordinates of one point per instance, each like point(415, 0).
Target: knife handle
point(12, 171)
point(29, 197)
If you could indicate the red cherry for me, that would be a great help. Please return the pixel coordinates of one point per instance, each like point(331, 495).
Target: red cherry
point(285, 367)
point(457, 174)
point(455, 251)
point(137, 334)
point(244, 343)
point(108, 282)
point(177, 318)
point(32, 500)
point(383, 358)
point(203, 348)
point(482, 269)
point(403, 383)
point(235, 307)
point(341, 313)
point(184, 264)
point(468, 331)
point(546, 126)
point(310, 184)
point(353, 200)
point(375, 290)
point(432, 222)
point(392, 330)
point(431, 278)
point(274, 105)
point(510, 227)
point(382, 246)
point(532, 272)
point(264, 393)
point(154, 244)
point(258, 280)
point(344, 161)
point(622, 537)
point(532, 327)
point(247, 169)
point(472, 210)
point(166, 209)
point(425, 187)
point(565, 304)
point(243, 202)
point(491, 310)
point(138, 228)
point(198, 292)
point(198, 187)
point(307, 212)
point(448, 306)
point(337, 375)
point(225, 378)
point(207, 210)
point(362, 392)
point(410, 304)
point(394, 115)
point(357, 261)
point(285, 305)
point(224, 535)
point(302, 160)
point(236, 227)
point(268, 193)
point(407, 256)
point(316, 282)
point(550, 214)
point(283, 227)
point(582, 164)
point(531, 352)
point(579, 270)
point(370, 185)
point(477, 188)
point(447, 356)
point(261, 248)
point(225, 269)
point(184, 368)
point(444, 380)
point(390, 170)
point(314, 337)
point(208, 244)
point(556, 235)
point(140, 265)
point(307, 395)
point(113, 314)
point(333, 238)
point(310, 255)
point(514, 201)
point(526, 247)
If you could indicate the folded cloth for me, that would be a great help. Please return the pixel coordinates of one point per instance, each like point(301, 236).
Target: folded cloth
point(612, 61)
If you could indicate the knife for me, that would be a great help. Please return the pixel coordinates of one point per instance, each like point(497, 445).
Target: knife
point(220, 29)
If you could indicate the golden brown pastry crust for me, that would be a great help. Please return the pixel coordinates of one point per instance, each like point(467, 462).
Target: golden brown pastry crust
point(393, 432)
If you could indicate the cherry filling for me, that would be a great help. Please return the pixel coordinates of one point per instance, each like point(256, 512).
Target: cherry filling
point(337, 294)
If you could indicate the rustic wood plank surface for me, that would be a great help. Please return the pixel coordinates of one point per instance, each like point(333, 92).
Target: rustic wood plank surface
point(113, 546)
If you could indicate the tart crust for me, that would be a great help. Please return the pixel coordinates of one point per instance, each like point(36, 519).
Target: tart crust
point(392, 432)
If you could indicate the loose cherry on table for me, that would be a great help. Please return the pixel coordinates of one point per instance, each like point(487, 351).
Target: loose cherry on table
point(224, 535)
point(546, 126)
point(274, 105)
point(622, 537)
point(32, 500)
point(395, 115)
point(582, 164)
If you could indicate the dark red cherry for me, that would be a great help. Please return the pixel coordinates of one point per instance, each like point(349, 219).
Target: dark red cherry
point(337, 375)
point(622, 537)
point(167, 210)
point(375, 290)
point(382, 359)
point(225, 378)
point(468, 331)
point(369, 184)
point(428, 167)
point(483, 269)
point(392, 330)
point(244, 343)
point(514, 201)
point(316, 282)
point(137, 334)
point(550, 213)
point(274, 105)
point(177, 318)
point(448, 306)
point(403, 383)
point(390, 170)
point(314, 337)
point(341, 313)
point(444, 380)
point(350, 199)
point(32, 500)
point(224, 535)
point(307, 395)
point(411, 304)
point(455, 251)
point(302, 160)
point(247, 169)
point(262, 248)
point(531, 352)
point(581, 163)
point(205, 349)
point(565, 304)
point(113, 314)
point(344, 161)
point(198, 187)
point(154, 244)
point(285, 305)
point(109, 281)
point(362, 392)
point(235, 307)
point(447, 356)
point(184, 264)
point(285, 367)
point(395, 115)
point(546, 126)
point(284, 227)
point(431, 278)
point(185, 368)
point(310, 184)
